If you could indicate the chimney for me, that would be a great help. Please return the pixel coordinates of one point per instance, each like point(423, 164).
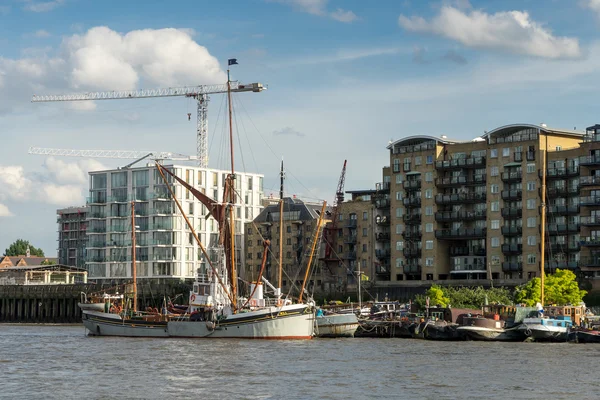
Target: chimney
point(28, 252)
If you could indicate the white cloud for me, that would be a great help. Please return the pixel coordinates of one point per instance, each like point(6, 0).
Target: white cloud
point(43, 6)
point(319, 8)
point(63, 195)
point(41, 34)
point(340, 56)
point(4, 211)
point(102, 59)
point(14, 183)
point(511, 31)
point(288, 131)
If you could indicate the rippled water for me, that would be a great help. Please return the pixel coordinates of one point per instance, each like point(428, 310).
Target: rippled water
point(61, 362)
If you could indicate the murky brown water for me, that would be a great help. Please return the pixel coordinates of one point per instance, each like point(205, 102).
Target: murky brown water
point(60, 362)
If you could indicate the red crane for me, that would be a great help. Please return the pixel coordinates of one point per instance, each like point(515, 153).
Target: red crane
point(331, 228)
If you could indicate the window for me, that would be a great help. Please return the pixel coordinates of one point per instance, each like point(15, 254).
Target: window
point(531, 204)
point(399, 245)
point(494, 171)
point(531, 222)
point(429, 159)
point(495, 206)
point(429, 210)
point(428, 176)
point(429, 227)
point(429, 262)
point(398, 179)
point(530, 258)
point(418, 160)
point(506, 152)
point(364, 232)
point(558, 148)
point(399, 229)
point(365, 215)
point(399, 263)
point(398, 195)
point(493, 153)
point(399, 212)
point(530, 186)
point(494, 188)
point(531, 240)
point(495, 260)
point(428, 193)
point(364, 247)
point(429, 244)
point(530, 168)
point(495, 242)
point(495, 224)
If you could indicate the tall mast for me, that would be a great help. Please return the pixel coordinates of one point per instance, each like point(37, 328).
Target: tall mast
point(133, 266)
point(280, 227)
point(312, 250)
point(543, 227)
point(230, 62)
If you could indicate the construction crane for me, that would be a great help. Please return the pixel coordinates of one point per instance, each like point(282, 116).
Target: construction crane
point(200, 93)
point(137, 155)
point(330, 229)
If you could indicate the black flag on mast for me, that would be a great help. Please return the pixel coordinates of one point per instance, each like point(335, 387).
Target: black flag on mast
point(232, 61)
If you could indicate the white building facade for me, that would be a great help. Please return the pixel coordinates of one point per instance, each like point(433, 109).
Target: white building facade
point(165, 247)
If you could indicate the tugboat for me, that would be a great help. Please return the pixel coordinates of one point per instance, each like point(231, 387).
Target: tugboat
point(498, 323)
point(552, 323)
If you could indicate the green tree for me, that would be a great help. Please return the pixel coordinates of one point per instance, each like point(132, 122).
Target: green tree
point(19, 248)
point(560, 288)
point(48, 262)
point(436, 296)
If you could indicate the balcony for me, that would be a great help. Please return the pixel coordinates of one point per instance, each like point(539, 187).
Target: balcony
point(512, 176)
point(590, 261)
point(349, 255)
point(95, 259)
point(509, 266)
point(412, 218)
point(119, 258)
point(461, 234)
point(555, 248)
point(411, 252)
point(590, 241)
point(460, 198)
point(412, 234)
point(382, 237)
point(383, 186)
point(455, 181)
point(589, 201)
point(508, 249)
point(563, 210)
point(297, 247)
point(449, 216)
point(590, 220)
point(511, 213)
point(350, 223)
point(552, 265)
point(593, 160)
point(512, 230)
point(562, 229)
point(96, 199)
point(382, 253)
point(96, 244)
point(530, 155)
point(382, 221)
point(552, 193)
point(471, 162)
point(412, 269)
point(382, 203)
point(589, 180)
point(412, 184)
point(412, 201)
point(383, 270)
point(350, 239)
point(560, 173)
point(466, 251)
point(512, 195)
point(96, 215)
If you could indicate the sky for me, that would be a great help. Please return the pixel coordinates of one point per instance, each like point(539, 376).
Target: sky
point(344, 78)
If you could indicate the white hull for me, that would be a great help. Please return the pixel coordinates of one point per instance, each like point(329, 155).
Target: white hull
point(337, 325)
point(497, 334)
point(287, 322)
point(91, 306)
point(538, 331)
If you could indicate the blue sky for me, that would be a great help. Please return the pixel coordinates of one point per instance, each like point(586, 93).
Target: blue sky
point(344, 77)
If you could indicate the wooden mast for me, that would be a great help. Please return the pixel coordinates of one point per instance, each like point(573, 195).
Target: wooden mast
point(133, 251)
point(543, 226)
point(232, 195)
point(312, 250)
point(280, 275)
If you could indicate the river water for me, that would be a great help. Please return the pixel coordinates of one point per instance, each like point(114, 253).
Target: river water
point(60, 362)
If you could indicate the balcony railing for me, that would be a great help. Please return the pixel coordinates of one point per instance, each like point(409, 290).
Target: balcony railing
point(589, 180)
point(351, 223)
point(512, 248)
point(590, 261)
point(590, 241)
point(552, 265)
point(350, 239)
point(509, 266)
point(412, 201)
point(412, 184)
point(382, 186)
point(461, 234)
point(382, 203)
point(511, 176)
point(449, 216)
point(561, 229)
point(414, 218)
point(563, 210)
point(412, 233)
point(460, 198)
point(590, 220)
point(382, 221)
point(412, 269)
point(512, 194)
point(560, 173)
point(472, 162)
point(465, 251)
point(512, 230)
point(589, 160)
point(382, 253)
point(511, 213)
point(411, 252)
point(589, 201)
point(350, 255)
point(382, 237)
point(460, 181)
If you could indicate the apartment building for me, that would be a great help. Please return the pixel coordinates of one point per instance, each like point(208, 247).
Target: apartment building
point(72, 236)
point(299, 222)
point(165, 247)
point(472, 209)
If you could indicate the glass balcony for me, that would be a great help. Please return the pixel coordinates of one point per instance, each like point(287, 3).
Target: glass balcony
point(460, 198)
point(471, 162)
point(508, 249)
point(461, 234)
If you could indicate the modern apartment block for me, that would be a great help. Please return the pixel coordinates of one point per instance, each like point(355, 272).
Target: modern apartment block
point(471, 210)
point(165, 247)
point(299, 222)
point(72, 236)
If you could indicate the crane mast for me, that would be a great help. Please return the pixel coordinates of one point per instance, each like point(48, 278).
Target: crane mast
point(199, 93)
point(339, 198)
